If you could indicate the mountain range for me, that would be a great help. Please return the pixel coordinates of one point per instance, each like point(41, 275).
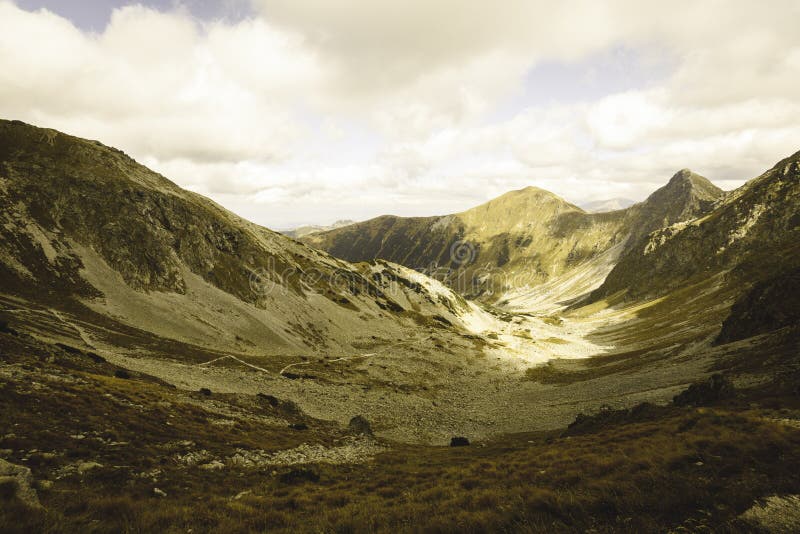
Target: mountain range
point(520, 240)
point(245, 358)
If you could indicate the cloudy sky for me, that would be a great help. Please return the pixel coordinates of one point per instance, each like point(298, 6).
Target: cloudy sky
point(308, 111)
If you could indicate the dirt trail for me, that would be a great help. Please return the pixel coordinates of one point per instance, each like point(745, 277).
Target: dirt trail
point(81, 332)
point(361, 356)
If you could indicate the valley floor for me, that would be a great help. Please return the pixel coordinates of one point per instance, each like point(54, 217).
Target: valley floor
point(111, 450)
point(519, 372)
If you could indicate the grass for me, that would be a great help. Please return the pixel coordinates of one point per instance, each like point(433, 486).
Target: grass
point(646, 470)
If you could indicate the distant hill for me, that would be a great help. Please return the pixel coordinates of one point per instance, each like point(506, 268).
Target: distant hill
point(303, 231)
point(611, 204)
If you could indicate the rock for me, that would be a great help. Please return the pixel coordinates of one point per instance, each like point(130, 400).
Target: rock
point(85, 467)
point(717, 387)
point(359, 425)
point(214, 465)
point(122, 373)
point(21, 480)
point(205, 391)
point(298, 426)
point(296, 476)
point(459, 442)
point(158, 493)
point(271, 399)
point(241, 494)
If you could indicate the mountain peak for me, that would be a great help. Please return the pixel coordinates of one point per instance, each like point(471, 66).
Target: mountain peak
point(686, 196)
point(685, 186)
point(683, 175)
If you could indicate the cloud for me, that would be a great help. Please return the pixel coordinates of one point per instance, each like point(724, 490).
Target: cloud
point(312, 111)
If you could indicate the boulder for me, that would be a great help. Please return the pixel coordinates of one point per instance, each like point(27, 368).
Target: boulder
point(85, 467)
point(359, 425)
point(21, 479)
point(459, 442)
point(271, 399)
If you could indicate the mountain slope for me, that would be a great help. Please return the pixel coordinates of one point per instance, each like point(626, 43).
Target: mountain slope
point(81, 219)
point(751, 235)
point(520, 240)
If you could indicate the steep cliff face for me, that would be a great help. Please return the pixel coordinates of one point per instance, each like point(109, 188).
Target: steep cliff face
point(520, 240)
point(82, 219)
point(752, 234)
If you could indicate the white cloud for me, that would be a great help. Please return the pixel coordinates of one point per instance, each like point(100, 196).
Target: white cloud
point(317, 110)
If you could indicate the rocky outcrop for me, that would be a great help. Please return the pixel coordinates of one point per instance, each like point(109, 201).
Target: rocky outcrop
point(22, 481)
point(716, 388)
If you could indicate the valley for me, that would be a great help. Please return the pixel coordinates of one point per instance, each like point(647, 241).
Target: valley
point(201, 355)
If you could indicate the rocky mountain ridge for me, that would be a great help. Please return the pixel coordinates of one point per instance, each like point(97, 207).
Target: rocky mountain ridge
point(752, 234)
point(519, 240)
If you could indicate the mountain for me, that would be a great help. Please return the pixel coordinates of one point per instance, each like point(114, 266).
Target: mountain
point(303, 231)
point(611, 204)
point(750, 235)
point(520, 240)
point(83, 222)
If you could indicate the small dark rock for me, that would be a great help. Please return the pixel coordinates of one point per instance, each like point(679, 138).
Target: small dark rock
point(459, 442)
point(296, 476)
point(359, 425)
point(296, 376)
point(205, 391)
point(122, 373)
point(7, 329)
point(271, 399)
point(298, 426)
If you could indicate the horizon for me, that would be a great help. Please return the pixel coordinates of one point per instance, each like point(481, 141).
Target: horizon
point(298, 113)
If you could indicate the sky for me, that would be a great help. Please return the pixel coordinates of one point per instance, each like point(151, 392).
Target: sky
point(292, 112)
